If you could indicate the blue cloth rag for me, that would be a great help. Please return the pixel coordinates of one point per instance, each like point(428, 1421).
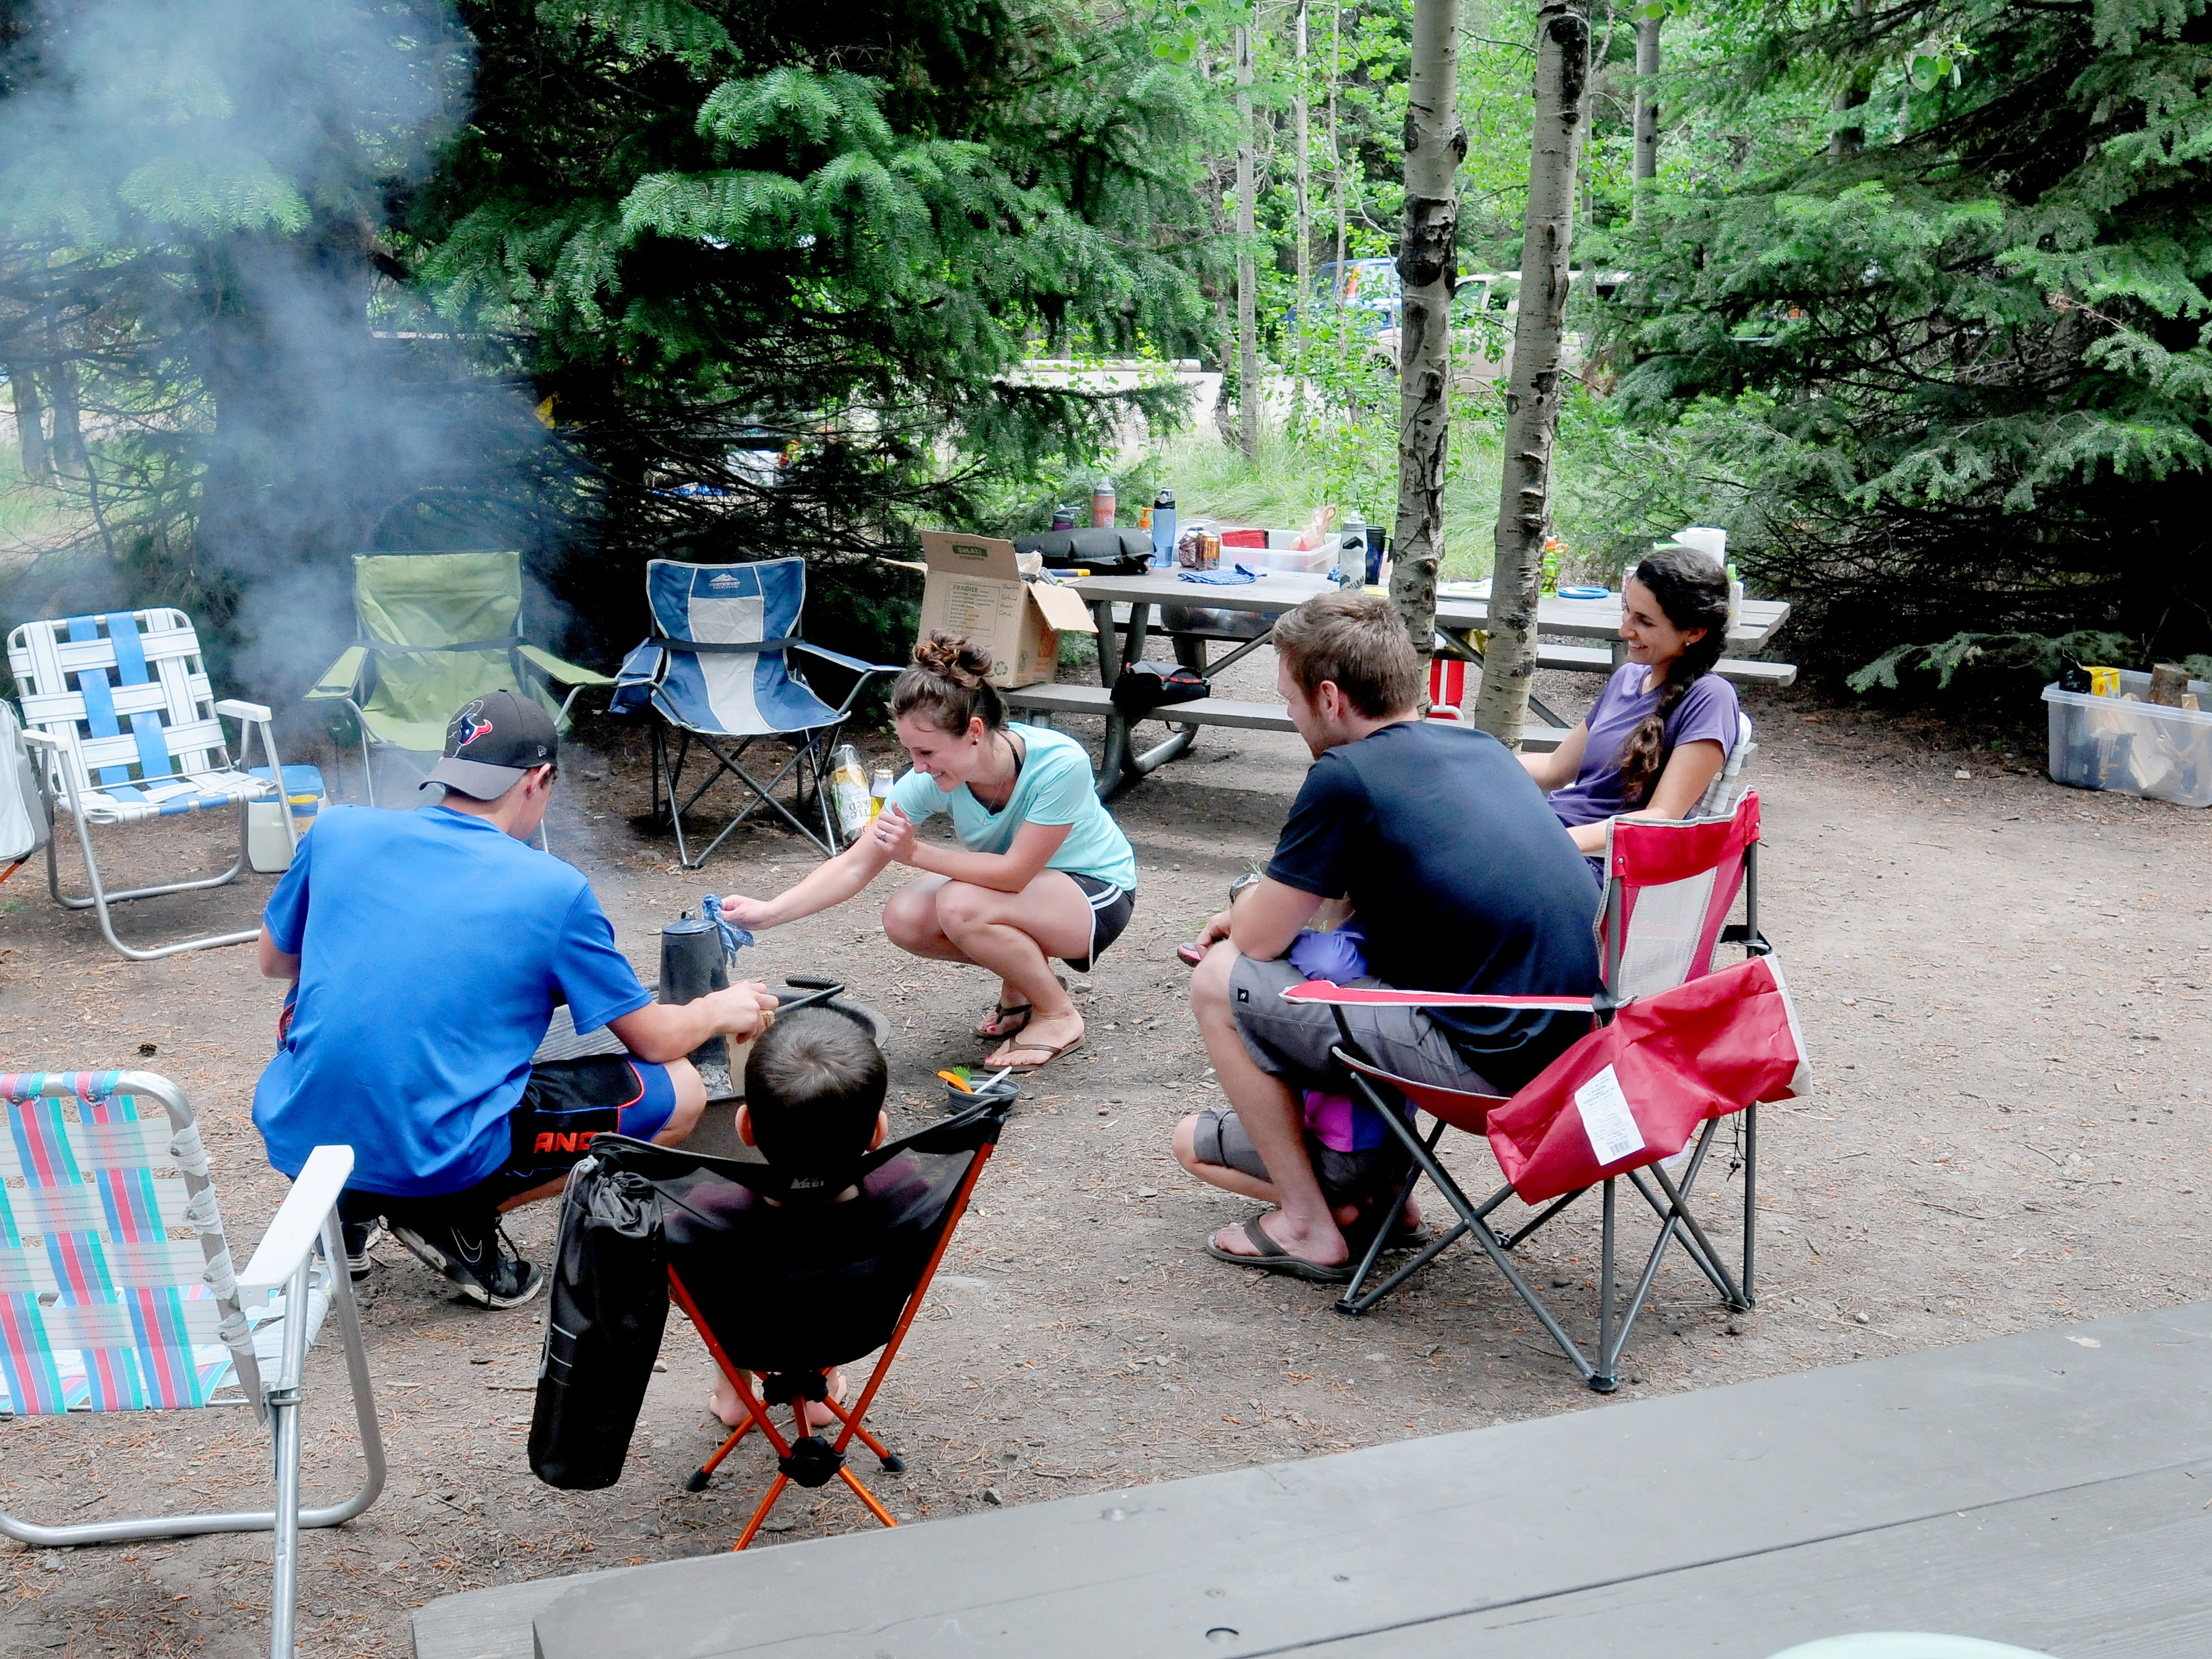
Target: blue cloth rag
point(734, 937)
point(1232, 578)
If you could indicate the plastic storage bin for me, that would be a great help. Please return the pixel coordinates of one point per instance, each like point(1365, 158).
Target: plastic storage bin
point(2134, 748)
point(266, 850)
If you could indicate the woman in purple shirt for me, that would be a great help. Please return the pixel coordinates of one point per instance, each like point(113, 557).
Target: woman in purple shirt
point(1665, 721)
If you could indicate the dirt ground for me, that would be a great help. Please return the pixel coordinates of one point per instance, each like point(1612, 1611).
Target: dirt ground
point(2002, 983)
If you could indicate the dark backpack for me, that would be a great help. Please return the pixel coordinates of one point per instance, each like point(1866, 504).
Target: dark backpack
point(1144, 686)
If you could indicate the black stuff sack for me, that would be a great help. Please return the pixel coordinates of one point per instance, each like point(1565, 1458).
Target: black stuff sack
point(604, 1320)
point(1142, 687)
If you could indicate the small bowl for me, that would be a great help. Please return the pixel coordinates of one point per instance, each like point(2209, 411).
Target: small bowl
point(1585, 593)
point(959, 1100)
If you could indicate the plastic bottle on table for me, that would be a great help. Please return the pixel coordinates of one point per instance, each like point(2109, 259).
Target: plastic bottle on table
point(1552, 552)
point(1103, 505)
point(1164, 530)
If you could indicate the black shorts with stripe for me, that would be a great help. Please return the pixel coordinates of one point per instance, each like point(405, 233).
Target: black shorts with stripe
point(1111, 907)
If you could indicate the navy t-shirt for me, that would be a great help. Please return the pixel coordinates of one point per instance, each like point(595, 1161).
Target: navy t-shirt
point(433, 947)
point(1462, 879)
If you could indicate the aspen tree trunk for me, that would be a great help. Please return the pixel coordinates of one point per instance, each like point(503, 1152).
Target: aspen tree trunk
point(1305, 228)
point(1336, 173)
point(1248, 279)
point(30, 426)
point(1850, 140)
point(1428, 267)
point(1644, 164)
point(1532, 402)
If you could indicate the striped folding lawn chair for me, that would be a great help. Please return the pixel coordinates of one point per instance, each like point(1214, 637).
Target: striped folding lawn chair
point(118, 1293)
point(118, 709)
point(719, 672)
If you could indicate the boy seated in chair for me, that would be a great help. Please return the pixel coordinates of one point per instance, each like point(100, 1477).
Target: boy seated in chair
point(817, 1261)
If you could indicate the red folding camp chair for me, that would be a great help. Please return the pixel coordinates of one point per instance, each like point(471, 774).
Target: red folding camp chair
point(793, 1320)
point(1669, 888)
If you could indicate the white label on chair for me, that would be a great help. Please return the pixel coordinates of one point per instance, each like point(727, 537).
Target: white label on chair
point(1607, 1120)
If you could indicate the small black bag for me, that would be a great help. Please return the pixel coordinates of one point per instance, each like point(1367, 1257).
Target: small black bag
point(1142, 687)
point(604, 1321)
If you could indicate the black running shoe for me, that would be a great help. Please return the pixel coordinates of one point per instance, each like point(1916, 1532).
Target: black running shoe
point(362, 1237)
point(486, 1264)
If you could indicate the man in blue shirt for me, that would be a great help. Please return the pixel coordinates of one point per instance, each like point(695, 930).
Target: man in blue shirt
point(430, 949)
point(1461, 880)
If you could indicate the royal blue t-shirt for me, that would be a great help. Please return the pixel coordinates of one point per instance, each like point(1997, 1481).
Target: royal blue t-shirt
point(1461, 880)
point(433, 947)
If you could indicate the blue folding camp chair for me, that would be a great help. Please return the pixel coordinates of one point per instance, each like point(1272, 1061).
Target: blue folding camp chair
point(118, 711)
point(718, 671)
point(118, 1292)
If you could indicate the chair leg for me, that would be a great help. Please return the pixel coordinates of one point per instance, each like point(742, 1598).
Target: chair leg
point(100, 899)
point(1604, 1377)
point(753, 1526)
point(285, 1577)
point(1750, 1199)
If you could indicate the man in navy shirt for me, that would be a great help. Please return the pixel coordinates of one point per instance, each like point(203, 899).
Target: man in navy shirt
point(1461, 878)
point(429, 949)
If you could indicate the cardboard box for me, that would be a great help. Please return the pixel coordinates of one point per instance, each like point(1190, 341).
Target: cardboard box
point(978, 588)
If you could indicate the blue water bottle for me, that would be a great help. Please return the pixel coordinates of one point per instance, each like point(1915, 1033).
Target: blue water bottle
point(1164, 530)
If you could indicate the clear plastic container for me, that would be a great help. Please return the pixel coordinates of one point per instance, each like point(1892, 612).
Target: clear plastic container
point(2133, 747)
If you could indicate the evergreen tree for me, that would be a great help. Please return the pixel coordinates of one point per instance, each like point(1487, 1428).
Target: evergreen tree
point(818, 239)
point(1949, 371)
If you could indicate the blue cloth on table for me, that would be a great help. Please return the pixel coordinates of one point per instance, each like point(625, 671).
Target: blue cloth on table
point(1235, 578)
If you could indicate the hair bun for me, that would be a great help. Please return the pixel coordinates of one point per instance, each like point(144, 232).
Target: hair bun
point(951, 658)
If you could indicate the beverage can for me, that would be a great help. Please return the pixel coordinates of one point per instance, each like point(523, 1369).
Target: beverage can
point(848, 789)
point(1209, 557)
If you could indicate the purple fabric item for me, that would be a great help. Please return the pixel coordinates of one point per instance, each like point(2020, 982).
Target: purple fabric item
point(1707, 714)
point(1339, 956)
point(1343, 1124)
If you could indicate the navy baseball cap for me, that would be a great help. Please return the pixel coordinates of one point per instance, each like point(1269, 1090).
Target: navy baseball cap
point(491, 743)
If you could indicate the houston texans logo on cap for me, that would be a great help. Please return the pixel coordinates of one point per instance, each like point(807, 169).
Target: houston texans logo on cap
point(468, 725)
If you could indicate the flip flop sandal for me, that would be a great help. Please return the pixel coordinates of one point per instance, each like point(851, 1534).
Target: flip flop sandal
point(1026, 1067)
point(1000, 1015)
point(1005, 1011)
point(1273, 1258)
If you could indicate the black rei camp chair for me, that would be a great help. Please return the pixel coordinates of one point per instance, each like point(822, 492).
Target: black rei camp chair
point(786, 1292)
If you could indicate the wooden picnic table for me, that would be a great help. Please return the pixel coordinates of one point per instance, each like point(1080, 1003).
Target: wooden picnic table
point(1462, 615)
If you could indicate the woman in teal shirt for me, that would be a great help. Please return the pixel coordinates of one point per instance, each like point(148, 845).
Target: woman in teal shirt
point(1041, 869)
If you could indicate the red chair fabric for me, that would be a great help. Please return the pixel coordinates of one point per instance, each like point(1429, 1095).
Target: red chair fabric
point(1707, 1049)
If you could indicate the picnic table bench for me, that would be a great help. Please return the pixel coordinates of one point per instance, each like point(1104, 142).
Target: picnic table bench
point(2045, 1488)
point(1124, 607)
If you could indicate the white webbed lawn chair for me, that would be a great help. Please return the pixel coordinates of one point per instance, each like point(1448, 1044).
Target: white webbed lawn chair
point(128, 1301)
point(117, 710)
point(1729, 782)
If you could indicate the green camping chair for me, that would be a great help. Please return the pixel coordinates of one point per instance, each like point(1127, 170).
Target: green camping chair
point(436, 631)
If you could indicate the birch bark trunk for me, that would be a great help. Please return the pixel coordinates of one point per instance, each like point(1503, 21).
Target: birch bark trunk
point(1532, 402)
point(1298, 106)
point(1428, 267)
point(1644, 164)
point(1248, 298)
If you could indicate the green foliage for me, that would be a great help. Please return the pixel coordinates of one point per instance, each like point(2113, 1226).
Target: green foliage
point(1956, 383)
point(833, 233)
point(2035, 654)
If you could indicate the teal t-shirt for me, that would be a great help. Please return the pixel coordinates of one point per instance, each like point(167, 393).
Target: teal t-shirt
point(1055, 788)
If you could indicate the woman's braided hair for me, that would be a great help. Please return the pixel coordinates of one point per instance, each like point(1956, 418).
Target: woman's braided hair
point(949, 681)
point(1692, 587)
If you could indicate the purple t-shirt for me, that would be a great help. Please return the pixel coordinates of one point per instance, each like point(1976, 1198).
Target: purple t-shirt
point(1706, 713)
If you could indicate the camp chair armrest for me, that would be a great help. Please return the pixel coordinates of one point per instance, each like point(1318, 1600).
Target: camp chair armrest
point(299, 1222)
point(867, 670)
point(1323, 991)
point(341, 678)
point(565, 674)
point(258, 712)
point(38, 739)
